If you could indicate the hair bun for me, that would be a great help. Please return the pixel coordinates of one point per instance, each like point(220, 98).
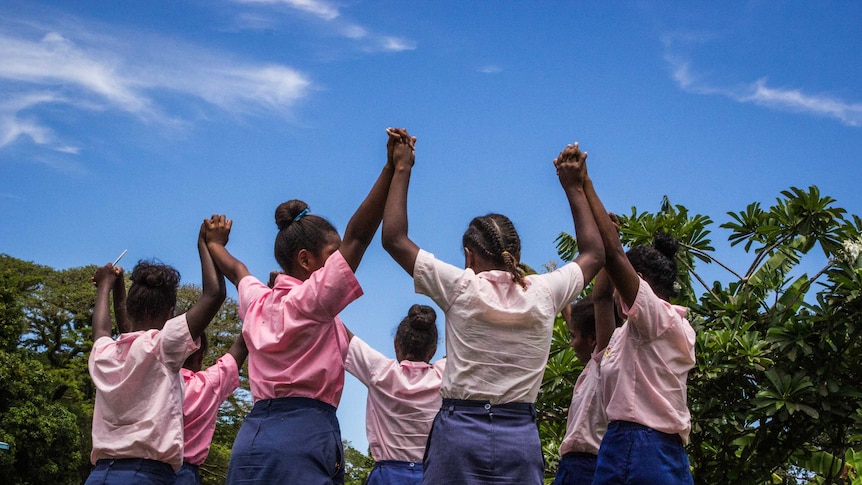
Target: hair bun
point(422, 316)
point(155, 274)
point(286, 212)
point(665, 244)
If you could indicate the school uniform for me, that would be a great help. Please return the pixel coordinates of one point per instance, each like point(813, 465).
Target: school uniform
point(297, 346)
point(585, 426)
point(498, 336)
point(138, 414)
point(205, 391)
point(403, 398)
point(644, 372)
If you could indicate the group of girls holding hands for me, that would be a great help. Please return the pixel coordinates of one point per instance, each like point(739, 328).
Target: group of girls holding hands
point(467, 419)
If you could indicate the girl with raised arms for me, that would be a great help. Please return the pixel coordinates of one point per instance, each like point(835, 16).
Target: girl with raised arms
point(403, 396)
point(296, 342)
point(645, 366)
point(138, 414)
point(498, 331)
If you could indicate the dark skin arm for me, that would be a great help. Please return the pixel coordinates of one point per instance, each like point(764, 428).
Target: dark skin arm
point(104, 281)
point(212, 293)
point(239, 350)
point(365, 221)
point(603, 305)
point(394, 235)
point(217, 231)
point(571, 165)
point(119, 294)
point(621, 272)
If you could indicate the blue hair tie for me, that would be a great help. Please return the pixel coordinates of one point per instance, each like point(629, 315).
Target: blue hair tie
point(301, 214)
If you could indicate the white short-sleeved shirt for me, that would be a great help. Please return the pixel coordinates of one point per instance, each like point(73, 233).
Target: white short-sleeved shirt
point(645, 366)
point(403, 398)
point(498, 334)
point(205, 391)
point(139, 393)
point(587, 423)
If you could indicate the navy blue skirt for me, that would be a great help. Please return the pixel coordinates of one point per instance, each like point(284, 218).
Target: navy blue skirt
point(188, 474)
point(391, 472)
point(131, 471)
point(290, 440)
point(632, 453)
point(475, 442)
point(576, 468)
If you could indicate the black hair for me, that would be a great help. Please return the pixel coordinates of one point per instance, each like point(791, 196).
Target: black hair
point(153, 292)
point(656, 263)
point(416, 336)
point(309, 232)
point(494, 237)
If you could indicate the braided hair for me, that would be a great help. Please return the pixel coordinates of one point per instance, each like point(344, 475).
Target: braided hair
point(656, 263)
point(494, 237)
point(153, 292)
point(297, 229)
point(416, 336)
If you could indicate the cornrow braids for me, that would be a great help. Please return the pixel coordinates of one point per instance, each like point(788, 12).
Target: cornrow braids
point(495, 238)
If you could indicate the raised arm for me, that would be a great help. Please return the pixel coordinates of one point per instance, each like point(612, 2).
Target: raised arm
point(571, 167)
point(239, 350)
point(119, 297)
point(365, 221)
point(104, 281)
point(212, 290)
point(603, 306)
point(217, 231)
point(394, 235)
point(620, 271)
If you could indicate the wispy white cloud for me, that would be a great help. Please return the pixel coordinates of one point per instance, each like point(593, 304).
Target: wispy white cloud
point(323, 10)
point(76, 70)
point(756, 92)
point(490, 69)
point(334, 21)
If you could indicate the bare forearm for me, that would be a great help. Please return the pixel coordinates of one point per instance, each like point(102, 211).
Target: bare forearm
point(620, 271)
point(212, 280)
point(591, 252)
point(366, 220)
point(232, 268)
point(239, 350)
point(395, 226)
point(101, 314)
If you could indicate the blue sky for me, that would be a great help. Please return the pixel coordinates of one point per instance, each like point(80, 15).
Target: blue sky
point(124, 124)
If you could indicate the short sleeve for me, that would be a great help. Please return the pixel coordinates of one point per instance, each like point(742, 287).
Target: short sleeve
point(438, 280)
point(649, 316)
point(327, 291)
point(565, 284)
point(175, 343)
point(223, 376)
point(249, 290)
point(363, 362)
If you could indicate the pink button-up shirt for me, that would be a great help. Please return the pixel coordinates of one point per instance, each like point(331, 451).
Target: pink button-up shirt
point(403, 398)
point(205, 391)
point(139, 393)
point(587, 423)
point(296, 342)
point(645, 366)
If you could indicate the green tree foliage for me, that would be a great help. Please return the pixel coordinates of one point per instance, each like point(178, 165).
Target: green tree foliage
point(775, 395)
point(357, 465)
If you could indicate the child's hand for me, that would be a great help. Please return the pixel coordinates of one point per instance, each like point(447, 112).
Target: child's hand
point(571, 165)
point(119, 283)
point(106, 275)
point(401, 147)
point(217, 230)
